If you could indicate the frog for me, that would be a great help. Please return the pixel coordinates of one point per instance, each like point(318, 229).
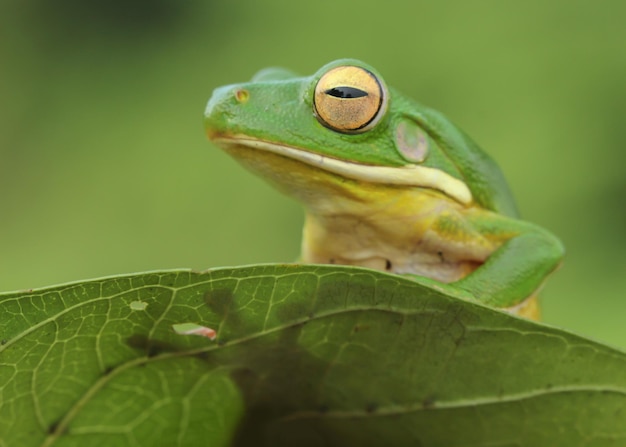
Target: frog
point(386, 183)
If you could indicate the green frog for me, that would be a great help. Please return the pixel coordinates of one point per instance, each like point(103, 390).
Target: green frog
point(386, 183)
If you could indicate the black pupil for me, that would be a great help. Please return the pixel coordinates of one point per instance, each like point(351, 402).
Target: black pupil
point(346, 92)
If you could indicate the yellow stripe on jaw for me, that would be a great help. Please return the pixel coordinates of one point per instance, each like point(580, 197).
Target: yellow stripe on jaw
point(410, 175)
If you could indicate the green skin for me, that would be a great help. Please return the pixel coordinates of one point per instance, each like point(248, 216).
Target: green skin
point(510, 258)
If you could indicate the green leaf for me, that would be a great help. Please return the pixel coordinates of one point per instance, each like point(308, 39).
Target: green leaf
point(304, 355)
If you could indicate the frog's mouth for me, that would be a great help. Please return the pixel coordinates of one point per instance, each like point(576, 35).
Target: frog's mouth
point(408, 175)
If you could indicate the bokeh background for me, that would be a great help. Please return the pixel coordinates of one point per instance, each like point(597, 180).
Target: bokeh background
point(105, 168)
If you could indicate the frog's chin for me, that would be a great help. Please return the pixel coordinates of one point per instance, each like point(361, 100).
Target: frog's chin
point(408, 175)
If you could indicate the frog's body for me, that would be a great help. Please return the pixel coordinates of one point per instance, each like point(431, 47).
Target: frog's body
point(404, 235)
point(386, 183)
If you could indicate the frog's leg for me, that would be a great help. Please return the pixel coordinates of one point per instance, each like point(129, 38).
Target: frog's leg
point(515, 271)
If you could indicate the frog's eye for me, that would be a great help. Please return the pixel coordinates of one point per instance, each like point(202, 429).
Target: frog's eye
point(349, 99)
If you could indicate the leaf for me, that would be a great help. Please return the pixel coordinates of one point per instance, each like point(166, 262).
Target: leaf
point(304, 355)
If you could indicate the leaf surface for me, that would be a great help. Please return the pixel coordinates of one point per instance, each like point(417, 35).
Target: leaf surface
point(304, 355)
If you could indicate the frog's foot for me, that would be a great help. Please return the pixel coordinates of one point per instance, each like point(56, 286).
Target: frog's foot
point(529, 308)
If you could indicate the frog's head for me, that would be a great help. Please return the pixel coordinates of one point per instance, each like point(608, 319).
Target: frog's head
point(343, 125)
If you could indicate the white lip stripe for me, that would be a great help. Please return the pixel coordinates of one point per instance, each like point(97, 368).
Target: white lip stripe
point(413, 175)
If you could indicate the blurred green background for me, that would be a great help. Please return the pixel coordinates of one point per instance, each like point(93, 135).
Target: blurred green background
point(105, 168)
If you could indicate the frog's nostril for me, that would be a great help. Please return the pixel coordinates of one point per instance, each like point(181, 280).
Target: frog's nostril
point(242, 95)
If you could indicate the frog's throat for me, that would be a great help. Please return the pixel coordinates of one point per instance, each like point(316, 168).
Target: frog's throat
point(410, 175)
